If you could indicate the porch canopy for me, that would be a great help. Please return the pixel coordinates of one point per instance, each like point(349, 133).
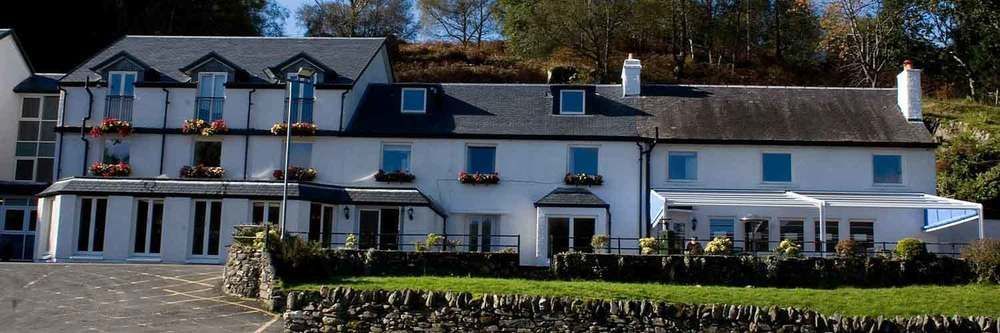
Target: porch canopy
point(940, 212)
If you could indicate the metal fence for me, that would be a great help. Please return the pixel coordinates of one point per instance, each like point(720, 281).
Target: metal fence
point(627, 245)
point(409, 242)
point(209, 107)
point(118, 107)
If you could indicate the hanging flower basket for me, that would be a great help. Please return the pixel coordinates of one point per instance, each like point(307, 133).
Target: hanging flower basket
point(296, 174)
point(479, 178)
point(298, 129)
point(583, 179)
point(204, 128)
point(112, 125)
point(201, 171)
point(394, 177)
point(120, 169)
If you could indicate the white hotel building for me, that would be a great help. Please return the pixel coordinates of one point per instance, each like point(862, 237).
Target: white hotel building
point(767, 163)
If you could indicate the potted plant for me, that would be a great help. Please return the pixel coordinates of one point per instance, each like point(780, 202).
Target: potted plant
point(720, 246)
point(298, 129)
point(296, 174)
point(600, 243)
point(788, 248)
point(394, 177)
point(111, 125)
point(583, 179)
point(479, 178)
point(120, 169)
point(201, 171)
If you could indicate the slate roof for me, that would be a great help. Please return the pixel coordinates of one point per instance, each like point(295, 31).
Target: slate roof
point(240, 189)
point(571, 197)
point(682, 113)
point(168, 54)
point(42, 83)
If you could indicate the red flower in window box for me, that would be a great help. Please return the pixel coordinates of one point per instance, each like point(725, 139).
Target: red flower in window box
point(394, 177)
point(479, 178)
point(296, 174)
point(112, 125)
point(204, 128)
point(583, 179)
point(298, 129)
point(201, 171)
point(120, 169)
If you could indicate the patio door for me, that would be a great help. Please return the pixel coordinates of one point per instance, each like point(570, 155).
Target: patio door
point(570, 233)
point(379, 229)
point(90, 230)
point(17, 235)
point(206, 228)
point(148, 227)
point(481, 233)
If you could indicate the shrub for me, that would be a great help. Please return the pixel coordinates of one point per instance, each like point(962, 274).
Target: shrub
point(984, 257)
point(849, 248)
point(694, 248)
point(788, 248)
point(295, 257)
point(720, 246)
point(599, 242)
point(649, 245)
point(351, 242)
point(911, 248)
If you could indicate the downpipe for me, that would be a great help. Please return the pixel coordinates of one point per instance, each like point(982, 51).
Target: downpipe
point(246, 136)
point(83, 124)
point(163, 129)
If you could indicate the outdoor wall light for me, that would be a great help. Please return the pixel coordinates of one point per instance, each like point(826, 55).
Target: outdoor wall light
point(409, 213)
point(347, 213)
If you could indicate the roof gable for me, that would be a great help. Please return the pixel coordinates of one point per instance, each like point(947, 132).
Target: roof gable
point(209, 58)
point(118, 58)
point(299, 58)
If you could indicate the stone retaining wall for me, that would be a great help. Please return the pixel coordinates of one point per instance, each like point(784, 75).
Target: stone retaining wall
point(249, 273)
point(347, 310)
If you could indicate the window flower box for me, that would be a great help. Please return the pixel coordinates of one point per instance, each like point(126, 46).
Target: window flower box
point(296, 174)
point(201, 171)
point(298, 129)
point(583, 179)
point(120, 169)
point(204, 128)
point(394, 177)
point(479, 178)
point(111, 125)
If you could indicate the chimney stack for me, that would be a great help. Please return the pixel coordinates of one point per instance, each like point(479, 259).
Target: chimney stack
point(908, 92)
point(630, 77)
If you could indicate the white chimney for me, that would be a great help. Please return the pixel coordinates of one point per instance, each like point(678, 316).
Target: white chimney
point(908, 92)
point(630, 77)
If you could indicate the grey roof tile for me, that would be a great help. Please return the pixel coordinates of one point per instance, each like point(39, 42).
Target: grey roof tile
point(571, 197)
point(39, 83)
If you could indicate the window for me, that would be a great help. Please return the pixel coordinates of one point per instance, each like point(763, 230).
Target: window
point(300, 154)
point(481, 160)
point(777, 167)
point(791, 230)
point(266, 211)
point(211, 96)
point(208, 153)
point(583, 160)
point(35, 147)
point(414, 100)
point(121, 91)
point(570, 233)
point(481, 233)
point(302, 96)
point(832, 236)
point(379, 228)
point(863, 232)
point(682, 165)
point(206, 228)
point(572, 102)
point(148, 226)
point(395, 158)
point(757, 236)
point(90, 230)
point(321, 224)
point(888, 169)
point(116, 151)
point(721, 227)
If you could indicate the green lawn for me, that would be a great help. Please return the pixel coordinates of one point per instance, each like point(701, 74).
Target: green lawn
point(905, 301)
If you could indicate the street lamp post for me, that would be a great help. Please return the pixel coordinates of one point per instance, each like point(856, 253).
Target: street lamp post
point(304, 76)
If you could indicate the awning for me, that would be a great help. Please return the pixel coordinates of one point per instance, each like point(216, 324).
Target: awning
point(571, 197)
point(248, 189)
point(941, 212)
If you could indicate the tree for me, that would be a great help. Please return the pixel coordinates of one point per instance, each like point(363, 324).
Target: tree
point(358, 18)
point(462, 21)
point(969, 169)
point(864, 35)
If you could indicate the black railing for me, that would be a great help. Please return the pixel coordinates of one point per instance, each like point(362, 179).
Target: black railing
point(118, 107)
point(615, 245)
point(302, 110)
point(630, 245)
point(409, 242)
point(209, 108)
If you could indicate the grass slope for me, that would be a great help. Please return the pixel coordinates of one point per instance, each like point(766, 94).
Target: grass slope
point(979, 116)
point(906, 301)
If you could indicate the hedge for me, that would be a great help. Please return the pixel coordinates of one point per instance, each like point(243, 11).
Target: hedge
point(340, 262)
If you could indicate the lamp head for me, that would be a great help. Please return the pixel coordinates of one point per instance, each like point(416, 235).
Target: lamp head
point(306, 73)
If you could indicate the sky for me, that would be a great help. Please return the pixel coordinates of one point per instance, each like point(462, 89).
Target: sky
point(292, 26)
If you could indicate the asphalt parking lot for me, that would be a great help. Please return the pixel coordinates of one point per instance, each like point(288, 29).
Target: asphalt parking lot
point(123, 298)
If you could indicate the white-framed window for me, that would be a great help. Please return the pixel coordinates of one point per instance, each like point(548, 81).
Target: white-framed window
point(206, 228)
point(682, 166)
point(414, 100)
point(792, 229)
point(35, 146)
point(116, 150)
point(90, 226)
point(583, 160)
point(571, 233)
point(721, 227)
point(863, 232)
point(321, 218)
point(148, 229)
point(207, 153)
point(300, 154)
point(481, 159)
point(211, 95)
point(776, 167)
point(303, 94)
point(395, 157)
point(265, 211)
point(887, 169)
point(572, 102)
point(121, 92)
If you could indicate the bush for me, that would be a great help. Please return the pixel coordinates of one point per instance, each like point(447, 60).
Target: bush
point(649, 245)
point(351, 242)
point(788, 248)
point(720, 246)
point(850, 249)
point(984, 258)
point(911, 248)
point(599, 242)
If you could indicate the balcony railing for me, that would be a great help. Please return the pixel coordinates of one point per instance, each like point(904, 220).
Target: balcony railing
point(408, 242)
point(118, 107)
point(209, 108)
point(302, 110)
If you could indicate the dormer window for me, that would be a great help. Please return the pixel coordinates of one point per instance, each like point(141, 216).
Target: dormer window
point(414, 100)
point(302, 95)
point(211, 96)
point(572, 102)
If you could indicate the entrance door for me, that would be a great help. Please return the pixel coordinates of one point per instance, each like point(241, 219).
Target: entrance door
point(207, 222)
point(17, 235)
point(379, 229)
point(148, 227)
point(560, 229)
point(558, 235)
point(480, 233)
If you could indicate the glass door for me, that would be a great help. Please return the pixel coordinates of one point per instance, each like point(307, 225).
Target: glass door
point(480, 233)
point(206, 225)
point(379, 228)
point(148, 227)
point(90, 230)
point(558, 235)
point(17, 235)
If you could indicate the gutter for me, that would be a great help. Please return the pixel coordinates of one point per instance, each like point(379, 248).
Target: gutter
point(163, 136)
point(246, 137)
point(62, 122)
point(83, 124)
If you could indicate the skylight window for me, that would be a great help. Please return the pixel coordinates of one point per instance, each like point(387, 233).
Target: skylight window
point(414, 100)
point(571, 102)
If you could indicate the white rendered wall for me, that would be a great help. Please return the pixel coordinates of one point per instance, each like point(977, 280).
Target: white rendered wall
point(13, 70)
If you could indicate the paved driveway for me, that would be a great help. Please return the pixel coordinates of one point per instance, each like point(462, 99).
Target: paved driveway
point(123, 297)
